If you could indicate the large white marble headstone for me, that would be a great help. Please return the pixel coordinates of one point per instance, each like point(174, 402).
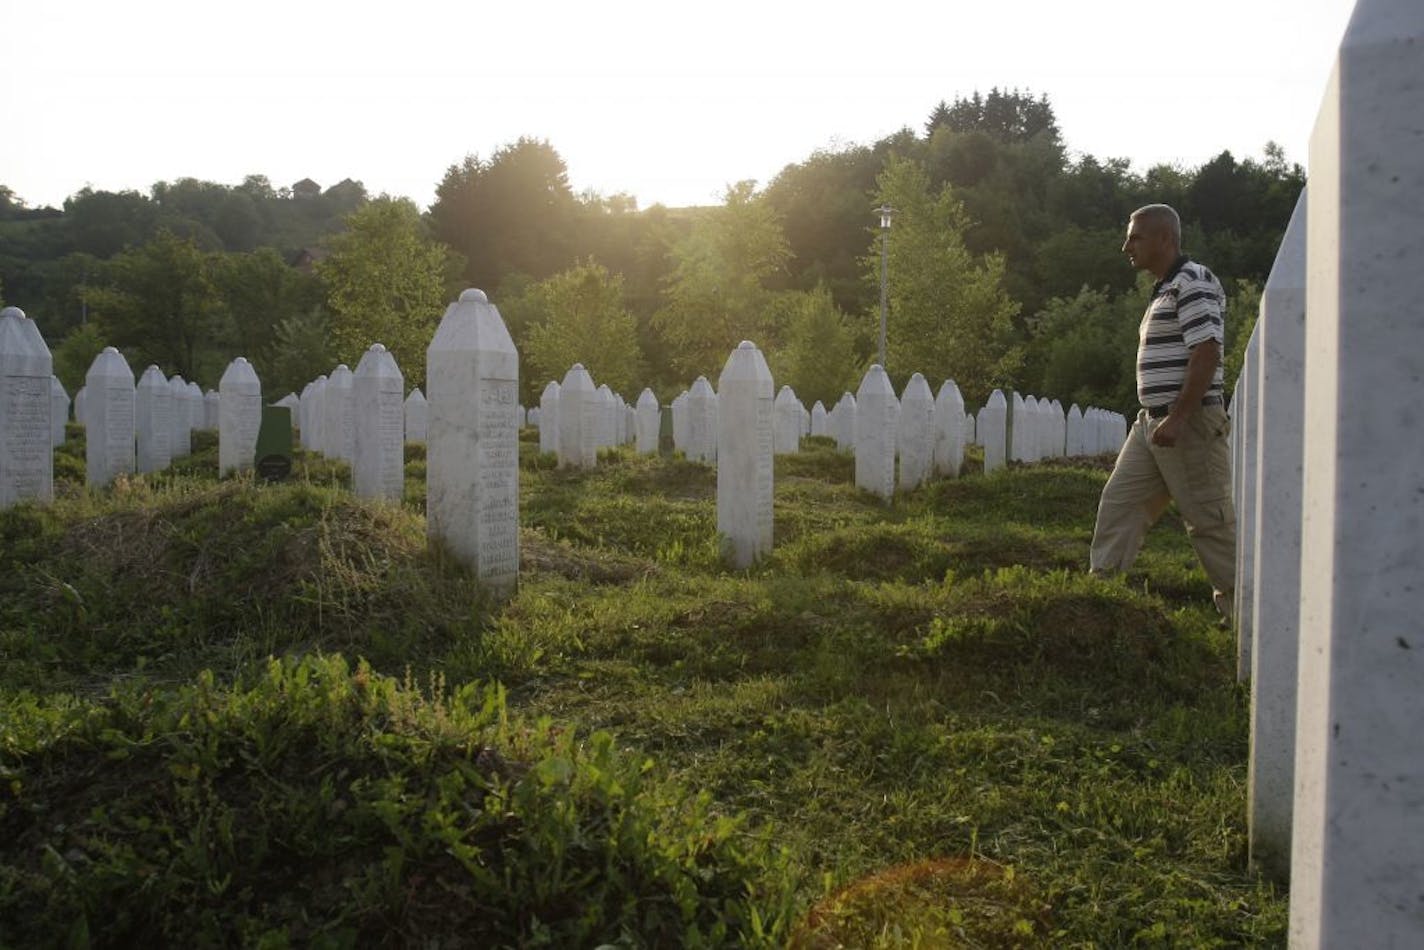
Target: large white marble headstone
point(58, 409)
point(239, 416)
point(650, 419)
point(1280, 407)
point(180, 438)
point(338, 428)
point(26, 436)
point(745, 448)
point(992, 424)
point(1074, 425)
point(153, 420)
point(472, 445)
point(109, 443)
point(701, 421)
point(949, 433)
point(197, 410)
point(378, 410)
point(549, 418)
point(876, 409)
point(579, 410)
point(915, 435)
point(787, 410)
point(607, 428)
point(1357, 862)
point(416, 416)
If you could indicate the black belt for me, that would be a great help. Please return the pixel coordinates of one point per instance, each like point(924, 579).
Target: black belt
point(1160, 412)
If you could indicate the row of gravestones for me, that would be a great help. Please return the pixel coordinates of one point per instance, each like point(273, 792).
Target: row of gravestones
point(1330, 511)
point(130, 425)
point(575, 419)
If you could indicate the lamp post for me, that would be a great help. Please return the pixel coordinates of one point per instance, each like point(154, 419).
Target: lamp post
point(886, 213)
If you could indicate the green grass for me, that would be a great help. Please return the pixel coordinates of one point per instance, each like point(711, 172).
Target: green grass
point(912, 725)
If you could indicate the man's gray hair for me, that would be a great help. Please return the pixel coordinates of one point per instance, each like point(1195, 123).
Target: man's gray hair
point(1162, 216)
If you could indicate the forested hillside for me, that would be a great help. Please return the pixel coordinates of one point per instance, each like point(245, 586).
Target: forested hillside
point(1004, 268)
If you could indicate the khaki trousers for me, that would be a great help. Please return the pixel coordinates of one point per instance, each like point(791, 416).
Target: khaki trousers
point(1195, 473)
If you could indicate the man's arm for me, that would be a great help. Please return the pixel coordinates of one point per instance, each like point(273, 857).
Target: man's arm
point(1201, 369)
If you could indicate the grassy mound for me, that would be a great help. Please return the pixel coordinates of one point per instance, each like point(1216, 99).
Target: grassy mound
point(338, 807)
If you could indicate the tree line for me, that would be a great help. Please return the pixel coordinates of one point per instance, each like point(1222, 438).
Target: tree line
point(1002, 260)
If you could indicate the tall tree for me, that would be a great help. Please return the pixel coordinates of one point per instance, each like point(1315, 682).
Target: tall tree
point(581, 319)
point(385, 283)
point(820, 357)
point(949, 315)
point(718, 294)
point(159, 302)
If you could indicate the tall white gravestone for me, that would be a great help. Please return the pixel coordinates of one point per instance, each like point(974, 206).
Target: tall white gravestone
point(787, 410)
point(197, 409)
point(26, 437)
point(845, 423)
point(180, 437)
point(472, 446)
point(549, 418)
point(876, 409)
point(578, 419)
point(650, 419)
point(993, 420)
point(949, 431)
point(1270, 786)
point(1248, 494)
point(378, 450)
point(701, 421)
point(818, 418)
point(416, 416)
point(744, 456)
point(914, 433)
point(239, 416)
point(315, 441)
point(109, 442)
point(1357, 848)
point(153, 420)
point(338, 425)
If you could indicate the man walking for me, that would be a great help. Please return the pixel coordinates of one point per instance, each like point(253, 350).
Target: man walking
point(1177, 448)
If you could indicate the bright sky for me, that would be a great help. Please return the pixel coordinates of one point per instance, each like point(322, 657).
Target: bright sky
point(667, 101)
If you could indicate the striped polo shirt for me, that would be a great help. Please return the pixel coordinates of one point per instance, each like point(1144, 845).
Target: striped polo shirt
point(1188, 307)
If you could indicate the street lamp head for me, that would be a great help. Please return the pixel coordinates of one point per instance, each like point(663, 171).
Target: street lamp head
point(886, 213)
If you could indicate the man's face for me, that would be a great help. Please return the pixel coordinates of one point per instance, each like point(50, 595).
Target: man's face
point(1146, 244)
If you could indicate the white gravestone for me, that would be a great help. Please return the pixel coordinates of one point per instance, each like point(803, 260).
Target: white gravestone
point(58, 409)
point(180, 437)
point(745, 439)
point(876, 409)
point(79, 399)
point(845, 423)
point(914, 433)
point(153, 420)
point(1270, 784)
point(549, 418)
point(338, 425)
point(650, 418)
point(1250, 492)
point(971, 435)
point(993, 420)
point(26, 437)
point(378, 450)
point(315, 441)
point(607, 425)
point(1075, 446)
point(1357, 846)
point(211, 412)
point(787, 410)
point(416, 415)
point(679, 423)
point(950, 436)
point(701, 421)
point(1059, 429)
point(472, 473)
point(578, 419)
point(239, 416)
point(1015, 427)
point(109, 445)
point(197, 410)
point(818, 418)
